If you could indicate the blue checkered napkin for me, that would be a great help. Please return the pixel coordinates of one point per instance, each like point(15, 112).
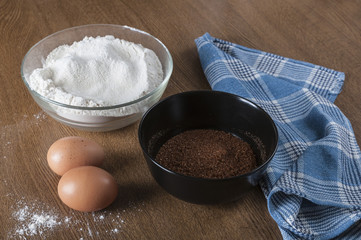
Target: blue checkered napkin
point(313, 184)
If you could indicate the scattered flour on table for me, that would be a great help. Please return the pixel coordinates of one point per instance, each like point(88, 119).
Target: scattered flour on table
point(32, 219)
point(39, 116)
point(22, 124)
point(95, 72)
point(34, 223)
point(36, 219)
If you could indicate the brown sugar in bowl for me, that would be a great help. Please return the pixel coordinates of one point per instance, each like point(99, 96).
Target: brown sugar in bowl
point(207, 153)
point(207, 110)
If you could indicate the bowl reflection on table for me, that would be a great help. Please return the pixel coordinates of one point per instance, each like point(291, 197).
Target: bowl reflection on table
point(97, 118)
point(207, 110)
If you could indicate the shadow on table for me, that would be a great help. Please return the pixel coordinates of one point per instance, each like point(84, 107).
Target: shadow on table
point(133, 194)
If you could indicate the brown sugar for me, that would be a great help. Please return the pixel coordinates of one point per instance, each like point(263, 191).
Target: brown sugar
point(207, 153)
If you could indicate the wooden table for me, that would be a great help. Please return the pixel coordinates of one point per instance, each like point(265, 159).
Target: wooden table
point(322, 32)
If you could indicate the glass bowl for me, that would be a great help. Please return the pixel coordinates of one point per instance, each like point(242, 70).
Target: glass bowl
point(207, 110)
point(96, 118)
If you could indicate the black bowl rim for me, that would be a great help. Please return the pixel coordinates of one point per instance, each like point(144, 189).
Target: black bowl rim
point(245, 175)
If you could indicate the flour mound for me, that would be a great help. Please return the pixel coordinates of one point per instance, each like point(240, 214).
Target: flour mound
point(100, 71)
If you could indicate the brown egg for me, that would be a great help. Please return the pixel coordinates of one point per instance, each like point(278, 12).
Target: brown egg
point(87, 188)
point(70, 152)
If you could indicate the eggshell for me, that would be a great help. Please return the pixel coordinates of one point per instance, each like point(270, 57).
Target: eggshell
point(87, 188)
point(70, 152)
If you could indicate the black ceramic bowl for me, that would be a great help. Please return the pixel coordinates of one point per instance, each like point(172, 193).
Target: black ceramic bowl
point(207, 110)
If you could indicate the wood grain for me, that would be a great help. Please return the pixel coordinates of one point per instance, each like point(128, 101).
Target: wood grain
point(322, 32)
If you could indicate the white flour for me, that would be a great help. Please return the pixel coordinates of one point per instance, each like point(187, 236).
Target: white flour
point(101, 71)
point(34, 223)
point(36, 219)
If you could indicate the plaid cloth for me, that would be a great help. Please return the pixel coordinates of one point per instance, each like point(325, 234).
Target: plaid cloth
point(313, 183)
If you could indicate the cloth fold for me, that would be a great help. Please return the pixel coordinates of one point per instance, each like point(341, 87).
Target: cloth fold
point(313, 183)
